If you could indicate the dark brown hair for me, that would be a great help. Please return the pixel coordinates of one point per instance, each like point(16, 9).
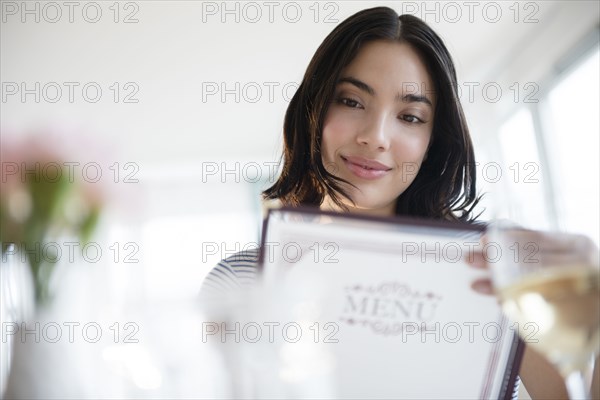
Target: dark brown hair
point(444, 187)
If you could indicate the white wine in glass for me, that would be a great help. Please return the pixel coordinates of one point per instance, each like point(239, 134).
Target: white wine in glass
point(553, 292)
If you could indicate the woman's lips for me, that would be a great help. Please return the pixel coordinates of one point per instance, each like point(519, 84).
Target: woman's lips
point(365, 168)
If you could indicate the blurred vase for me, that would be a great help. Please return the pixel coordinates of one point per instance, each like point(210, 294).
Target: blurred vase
point(131, 348)
point(50, 356)
point(17, 305)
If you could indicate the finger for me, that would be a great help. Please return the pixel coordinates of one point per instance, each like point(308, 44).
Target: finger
point(476, 260)
point(483, 286)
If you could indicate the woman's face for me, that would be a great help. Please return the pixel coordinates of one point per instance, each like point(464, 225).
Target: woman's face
point(379, 125)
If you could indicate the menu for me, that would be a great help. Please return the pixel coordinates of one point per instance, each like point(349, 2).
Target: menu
point(390, 303)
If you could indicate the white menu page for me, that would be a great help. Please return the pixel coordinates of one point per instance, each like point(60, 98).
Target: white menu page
point(394, 304)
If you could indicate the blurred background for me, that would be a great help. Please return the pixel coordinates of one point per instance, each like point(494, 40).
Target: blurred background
point(179, 106)
point(188, 99)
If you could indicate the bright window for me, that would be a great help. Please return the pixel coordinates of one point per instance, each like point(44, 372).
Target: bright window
point(570, 156)
point(573, 147)
point(522, 173)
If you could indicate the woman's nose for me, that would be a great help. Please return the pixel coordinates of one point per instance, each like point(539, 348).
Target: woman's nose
point(374, 134)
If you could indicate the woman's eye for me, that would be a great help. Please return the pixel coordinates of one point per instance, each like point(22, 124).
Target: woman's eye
point(349, 102)
point(411, 118)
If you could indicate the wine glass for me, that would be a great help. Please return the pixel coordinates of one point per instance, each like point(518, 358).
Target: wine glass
point(548, 284)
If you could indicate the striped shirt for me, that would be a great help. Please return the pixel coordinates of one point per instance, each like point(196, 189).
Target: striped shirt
point(239, 271)
point(232, 273)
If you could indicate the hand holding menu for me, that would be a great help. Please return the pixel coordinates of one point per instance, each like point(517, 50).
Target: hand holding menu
point(407, 323)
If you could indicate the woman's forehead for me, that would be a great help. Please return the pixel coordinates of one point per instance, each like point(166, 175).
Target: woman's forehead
point(390, 66)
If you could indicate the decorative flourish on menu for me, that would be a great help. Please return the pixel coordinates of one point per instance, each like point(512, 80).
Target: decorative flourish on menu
point(386, 308)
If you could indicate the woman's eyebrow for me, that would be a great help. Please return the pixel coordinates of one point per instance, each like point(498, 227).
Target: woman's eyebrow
point(358, 83)
point(414, 98)
point(407, 98)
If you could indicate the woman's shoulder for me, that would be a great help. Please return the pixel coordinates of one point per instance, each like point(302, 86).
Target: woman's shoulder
point(234, 272)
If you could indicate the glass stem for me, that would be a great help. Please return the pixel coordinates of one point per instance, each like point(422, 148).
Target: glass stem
point(579, 381)
point(577, 386)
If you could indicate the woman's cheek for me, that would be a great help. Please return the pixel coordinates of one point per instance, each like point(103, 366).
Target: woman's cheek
point(328, 147)
point(334, 136)
point(335, 129)
point(412, 148)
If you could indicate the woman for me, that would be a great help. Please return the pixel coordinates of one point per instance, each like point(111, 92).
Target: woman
point(429, 109)
point(377, 127)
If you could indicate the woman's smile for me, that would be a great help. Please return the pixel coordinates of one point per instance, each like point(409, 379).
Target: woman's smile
point(365, 168)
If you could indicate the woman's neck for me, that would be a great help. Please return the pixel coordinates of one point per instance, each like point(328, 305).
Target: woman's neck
point(329, 205)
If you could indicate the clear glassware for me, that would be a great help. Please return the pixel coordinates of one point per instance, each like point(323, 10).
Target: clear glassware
point(16, 304)
point(548, 284)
